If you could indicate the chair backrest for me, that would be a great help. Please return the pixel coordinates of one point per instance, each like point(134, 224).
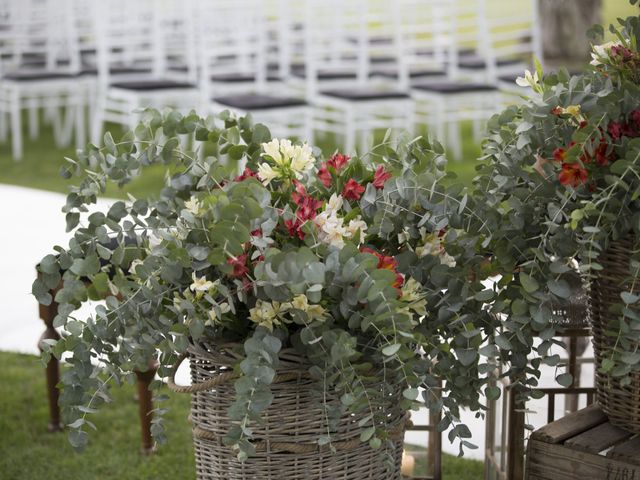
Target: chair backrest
point(336, 38)
point(511, 30)
point(231, 38)
point(143, 36)
point(423, 36)
point(38, 34)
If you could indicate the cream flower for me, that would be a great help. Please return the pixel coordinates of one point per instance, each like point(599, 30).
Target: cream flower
point(213, 316)
point(200, 284)
point(355, 225)
point(433, 246)
point(334, 204)
point(601, 53)
point(529, 79)
point(266, 173)
point(413, 297)
point(314, 312)
point(267, 314)
point(302, 159)
point(193, 205)
point(272, 149)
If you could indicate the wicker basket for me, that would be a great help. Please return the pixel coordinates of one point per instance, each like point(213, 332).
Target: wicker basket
point(620, 403)
point(286, 443)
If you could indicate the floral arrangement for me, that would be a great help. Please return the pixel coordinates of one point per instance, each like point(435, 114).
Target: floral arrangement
point(559, 183)
point(343, 259)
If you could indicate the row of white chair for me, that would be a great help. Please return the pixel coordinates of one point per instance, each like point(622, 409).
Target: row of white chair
point(302, 66)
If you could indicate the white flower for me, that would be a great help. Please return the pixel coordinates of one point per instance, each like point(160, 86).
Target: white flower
point(529, 80)
point(302, 159)
point(266, 173)
point(334, 204)
point(355, 225)
point(334, 234)
point(601, 53)
point(193, 205)
point(200, 284)
point(272, 149)
point(433, 246)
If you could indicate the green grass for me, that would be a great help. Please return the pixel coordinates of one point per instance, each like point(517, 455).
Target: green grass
point(28, 451)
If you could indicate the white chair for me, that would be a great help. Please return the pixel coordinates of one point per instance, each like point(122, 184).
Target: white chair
point(336, 39)
point(444, 103)
point(508, 39)
point(232, 55)
point(133, 61)
point(40, 70)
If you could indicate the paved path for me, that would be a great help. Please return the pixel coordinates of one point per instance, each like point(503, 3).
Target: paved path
point(33, 223)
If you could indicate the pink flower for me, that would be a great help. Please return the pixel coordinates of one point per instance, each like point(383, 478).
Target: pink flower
point(247, 173)
point(352, 190)
point(239, 264)
point(338, 161)
point(615, 130)
point(295, 228)
point(380, 177)
point(324, 175)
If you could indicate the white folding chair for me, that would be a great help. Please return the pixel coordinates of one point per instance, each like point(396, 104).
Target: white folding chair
point(232, 45)
point(133, 60)
point(336, 38)
point(40, 70)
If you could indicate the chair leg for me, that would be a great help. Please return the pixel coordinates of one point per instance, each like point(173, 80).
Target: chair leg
point(4, 126)
point(145, 405)
point(16, 126)
point(80, 129)
point(34, 124)
point(97, 120)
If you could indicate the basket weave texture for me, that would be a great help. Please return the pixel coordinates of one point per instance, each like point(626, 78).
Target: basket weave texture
point(287, 442)
point(620, 403)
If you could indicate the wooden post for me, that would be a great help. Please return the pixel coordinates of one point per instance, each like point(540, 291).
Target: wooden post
point(47, 314)
point(145, 406)
point(435, 443)
point(515, 439)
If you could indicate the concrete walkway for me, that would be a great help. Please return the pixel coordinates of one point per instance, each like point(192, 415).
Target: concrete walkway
point(34, 224)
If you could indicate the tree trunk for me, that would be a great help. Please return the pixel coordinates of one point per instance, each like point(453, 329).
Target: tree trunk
point(564, 24)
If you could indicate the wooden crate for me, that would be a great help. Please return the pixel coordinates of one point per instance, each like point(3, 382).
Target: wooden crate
point(585, 446)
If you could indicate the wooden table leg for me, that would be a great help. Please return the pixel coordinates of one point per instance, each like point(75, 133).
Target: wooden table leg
point(47, 314)
point(145, 404)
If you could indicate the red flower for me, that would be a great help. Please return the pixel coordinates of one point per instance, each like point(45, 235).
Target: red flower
point(387, 263)
point(338, 161)
point(380, 177)
point(399, 281)
point(247, 173)
point(615, 130)
point(295, 228)
point(629, 130)
point(635, 117)
point(324, 175)
point(559, 154)
point(239, 264)
point(583, 124)
point(557, 110)
point(257, 232)
point(572, 174)
point(300, 194)
point(352, 190)
point(602, 158)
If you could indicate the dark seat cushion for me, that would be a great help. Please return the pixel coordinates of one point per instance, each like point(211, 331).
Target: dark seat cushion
point(448, 88)
point(239, 78)
point(256, 101)
point(364, 94)
point(118, 70)
point(478, 63)
point(326, 74)
point(145, 85)
point(418, 73)
point(31, 76)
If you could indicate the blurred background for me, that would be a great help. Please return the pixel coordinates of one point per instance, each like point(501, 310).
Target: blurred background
point(336, 73)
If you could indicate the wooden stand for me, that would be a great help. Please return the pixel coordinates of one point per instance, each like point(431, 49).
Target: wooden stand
point(145, 401)
point(581, 446)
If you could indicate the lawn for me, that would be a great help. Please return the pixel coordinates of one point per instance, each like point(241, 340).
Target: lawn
point(28, 451)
